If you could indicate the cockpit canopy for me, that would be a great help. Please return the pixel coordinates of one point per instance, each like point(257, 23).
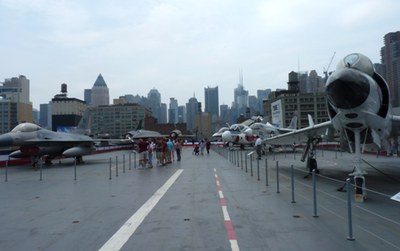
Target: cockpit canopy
point(26, 127)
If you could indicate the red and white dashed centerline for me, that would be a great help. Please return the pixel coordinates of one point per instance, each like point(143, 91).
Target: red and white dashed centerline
point(228, 222)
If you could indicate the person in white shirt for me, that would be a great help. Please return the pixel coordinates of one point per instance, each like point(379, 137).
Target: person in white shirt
point(258, 146)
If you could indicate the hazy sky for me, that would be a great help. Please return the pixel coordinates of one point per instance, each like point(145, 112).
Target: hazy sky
point(182, 46)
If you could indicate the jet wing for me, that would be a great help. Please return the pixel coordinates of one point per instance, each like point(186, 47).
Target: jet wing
point(300, 135)
point(145, 134)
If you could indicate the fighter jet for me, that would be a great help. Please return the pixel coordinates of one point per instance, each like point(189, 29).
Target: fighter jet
point(238, 134)
point(246, 132)
point(36, 142)
point(360, 113)
point(140, 132)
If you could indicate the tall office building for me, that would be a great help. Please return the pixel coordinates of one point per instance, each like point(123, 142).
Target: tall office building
point(100, 92)
point(261, 96)
point(154, 103)
point(163, 114)
point(181, 114)
point(390, 60)
point(225, 114)
point(45, 116)
point(192, 108)
point(212, 102)
point(240, 99)
point(87, 96)
point(15, 106)
point(173, 111)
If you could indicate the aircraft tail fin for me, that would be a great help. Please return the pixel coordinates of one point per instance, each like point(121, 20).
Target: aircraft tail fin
point(310, 120)
point(140, 125)
point(293, 123)
point(83, 125)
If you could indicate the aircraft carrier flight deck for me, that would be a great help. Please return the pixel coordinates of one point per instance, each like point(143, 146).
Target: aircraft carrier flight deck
point(227, 200)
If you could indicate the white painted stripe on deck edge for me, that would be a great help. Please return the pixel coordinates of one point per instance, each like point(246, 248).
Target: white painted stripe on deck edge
point(225, 213)
point(125, 232)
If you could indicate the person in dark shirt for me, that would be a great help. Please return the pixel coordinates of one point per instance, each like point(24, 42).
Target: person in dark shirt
point(142, 150)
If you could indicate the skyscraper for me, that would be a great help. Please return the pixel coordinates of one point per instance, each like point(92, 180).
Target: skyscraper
point(241, 96)
point(181, 114)
point(192, 108)
point(211, 102)
point(173, 111)
point(100, 93)
point(154, 102)
point(390, 60)
point(15, 106)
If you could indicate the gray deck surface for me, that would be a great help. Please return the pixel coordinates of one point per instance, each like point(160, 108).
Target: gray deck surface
point(60, 213)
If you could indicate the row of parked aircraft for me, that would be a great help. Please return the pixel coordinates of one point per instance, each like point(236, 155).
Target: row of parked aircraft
point(359, 108)
point(360, 112)
point(35, 142)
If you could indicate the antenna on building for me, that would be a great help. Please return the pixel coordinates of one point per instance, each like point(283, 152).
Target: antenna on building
point(241, 77)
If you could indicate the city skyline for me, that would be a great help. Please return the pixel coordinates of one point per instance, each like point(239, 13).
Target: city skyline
point(180, 47)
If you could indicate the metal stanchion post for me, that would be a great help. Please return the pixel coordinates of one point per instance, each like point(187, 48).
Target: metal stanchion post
point(116, 165)
point(314, 181)
point(245, 163)
point(130, 161)
point(123, 163)
point(349, 216)
point(75, 169)
point(266, 172)
point(110, 169)
point(241, 160)
point(134, 159)
point(41, 168)
point(292, 178)
point(258, 168)
point(251, 164)
point(277, 177)
point(6, 170)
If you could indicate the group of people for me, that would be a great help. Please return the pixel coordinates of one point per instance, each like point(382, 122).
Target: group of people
point(198, 148)
point(163, 149)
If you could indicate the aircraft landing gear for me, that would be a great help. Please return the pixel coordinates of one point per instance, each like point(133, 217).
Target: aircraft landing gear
point(79, 159)
point(359, 179)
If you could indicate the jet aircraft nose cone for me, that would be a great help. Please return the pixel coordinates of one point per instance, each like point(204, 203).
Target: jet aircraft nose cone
point(6, 140)
point(226, 136)
point(347, 88)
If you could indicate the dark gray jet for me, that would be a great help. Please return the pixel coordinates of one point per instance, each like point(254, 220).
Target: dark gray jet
point(36, 142)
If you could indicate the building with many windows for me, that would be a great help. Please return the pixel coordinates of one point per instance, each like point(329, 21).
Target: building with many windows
point(15, 106)
point(281, 106)
point(115, 120)
point(173, 111)
point(100, 93)
point(390, 61)
point(211, 102)
point(66, 113)
point(192, 108)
